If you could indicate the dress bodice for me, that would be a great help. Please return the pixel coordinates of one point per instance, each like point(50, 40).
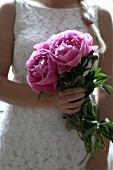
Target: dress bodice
point(34, 24)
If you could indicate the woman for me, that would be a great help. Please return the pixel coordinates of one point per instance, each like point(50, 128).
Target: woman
point(33, 135)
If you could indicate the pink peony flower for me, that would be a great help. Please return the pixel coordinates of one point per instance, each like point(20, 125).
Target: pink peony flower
point(67, 48)
point(42, 72)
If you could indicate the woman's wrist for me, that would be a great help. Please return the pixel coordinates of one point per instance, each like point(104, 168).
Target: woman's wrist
point(46, 101)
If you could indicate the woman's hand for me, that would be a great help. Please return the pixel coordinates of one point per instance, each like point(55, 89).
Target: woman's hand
point(69, 100)
point(98, 161)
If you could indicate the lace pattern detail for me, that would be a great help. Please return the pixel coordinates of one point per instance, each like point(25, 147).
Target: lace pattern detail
point(36, 139)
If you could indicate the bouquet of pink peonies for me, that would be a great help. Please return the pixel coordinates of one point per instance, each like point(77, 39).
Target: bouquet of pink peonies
point(66, 60)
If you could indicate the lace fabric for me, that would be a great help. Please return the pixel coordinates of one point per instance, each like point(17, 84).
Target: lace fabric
point(36, 139)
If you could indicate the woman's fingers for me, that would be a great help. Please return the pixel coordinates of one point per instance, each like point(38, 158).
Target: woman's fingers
point(70, 100)
point(72, 97)
point(73, 107)
point(75, 104)
point(72, 111)
point(69, 91)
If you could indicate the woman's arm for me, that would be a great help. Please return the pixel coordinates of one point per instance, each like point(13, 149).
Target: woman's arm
point(11, 92)
point(105, 101)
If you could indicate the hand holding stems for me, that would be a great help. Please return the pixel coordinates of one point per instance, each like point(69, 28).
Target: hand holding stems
point(70, 100)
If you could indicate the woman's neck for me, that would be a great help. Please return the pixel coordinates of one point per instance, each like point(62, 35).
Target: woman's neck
point(59, 3)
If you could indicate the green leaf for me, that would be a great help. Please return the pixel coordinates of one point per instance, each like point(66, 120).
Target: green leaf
point(83, 60)
point(78, 81)
point(107, 88)
point(61, 81)
point(89, 56)
point(101, 75)
point(104, 131)
point(95, 112)
point(110, 124)
point(78, 71)
point(81, 82)
point(111, 132)
point(106, 122)
point(89, 88)
point(99, 83)
point(87, 69)
point(91, 121)
point(90, 131)
point(84, 110)
point(101, 78)
point(100, 144)
point(70, 125)
point(97, 70)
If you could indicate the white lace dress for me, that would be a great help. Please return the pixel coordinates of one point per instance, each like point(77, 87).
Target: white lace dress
point(36, 139)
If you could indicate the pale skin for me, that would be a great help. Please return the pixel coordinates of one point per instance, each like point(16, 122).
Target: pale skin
point(24, 96)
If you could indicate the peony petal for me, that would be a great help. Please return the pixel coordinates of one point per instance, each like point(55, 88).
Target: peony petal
point(42, 45)
point(52, 77)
